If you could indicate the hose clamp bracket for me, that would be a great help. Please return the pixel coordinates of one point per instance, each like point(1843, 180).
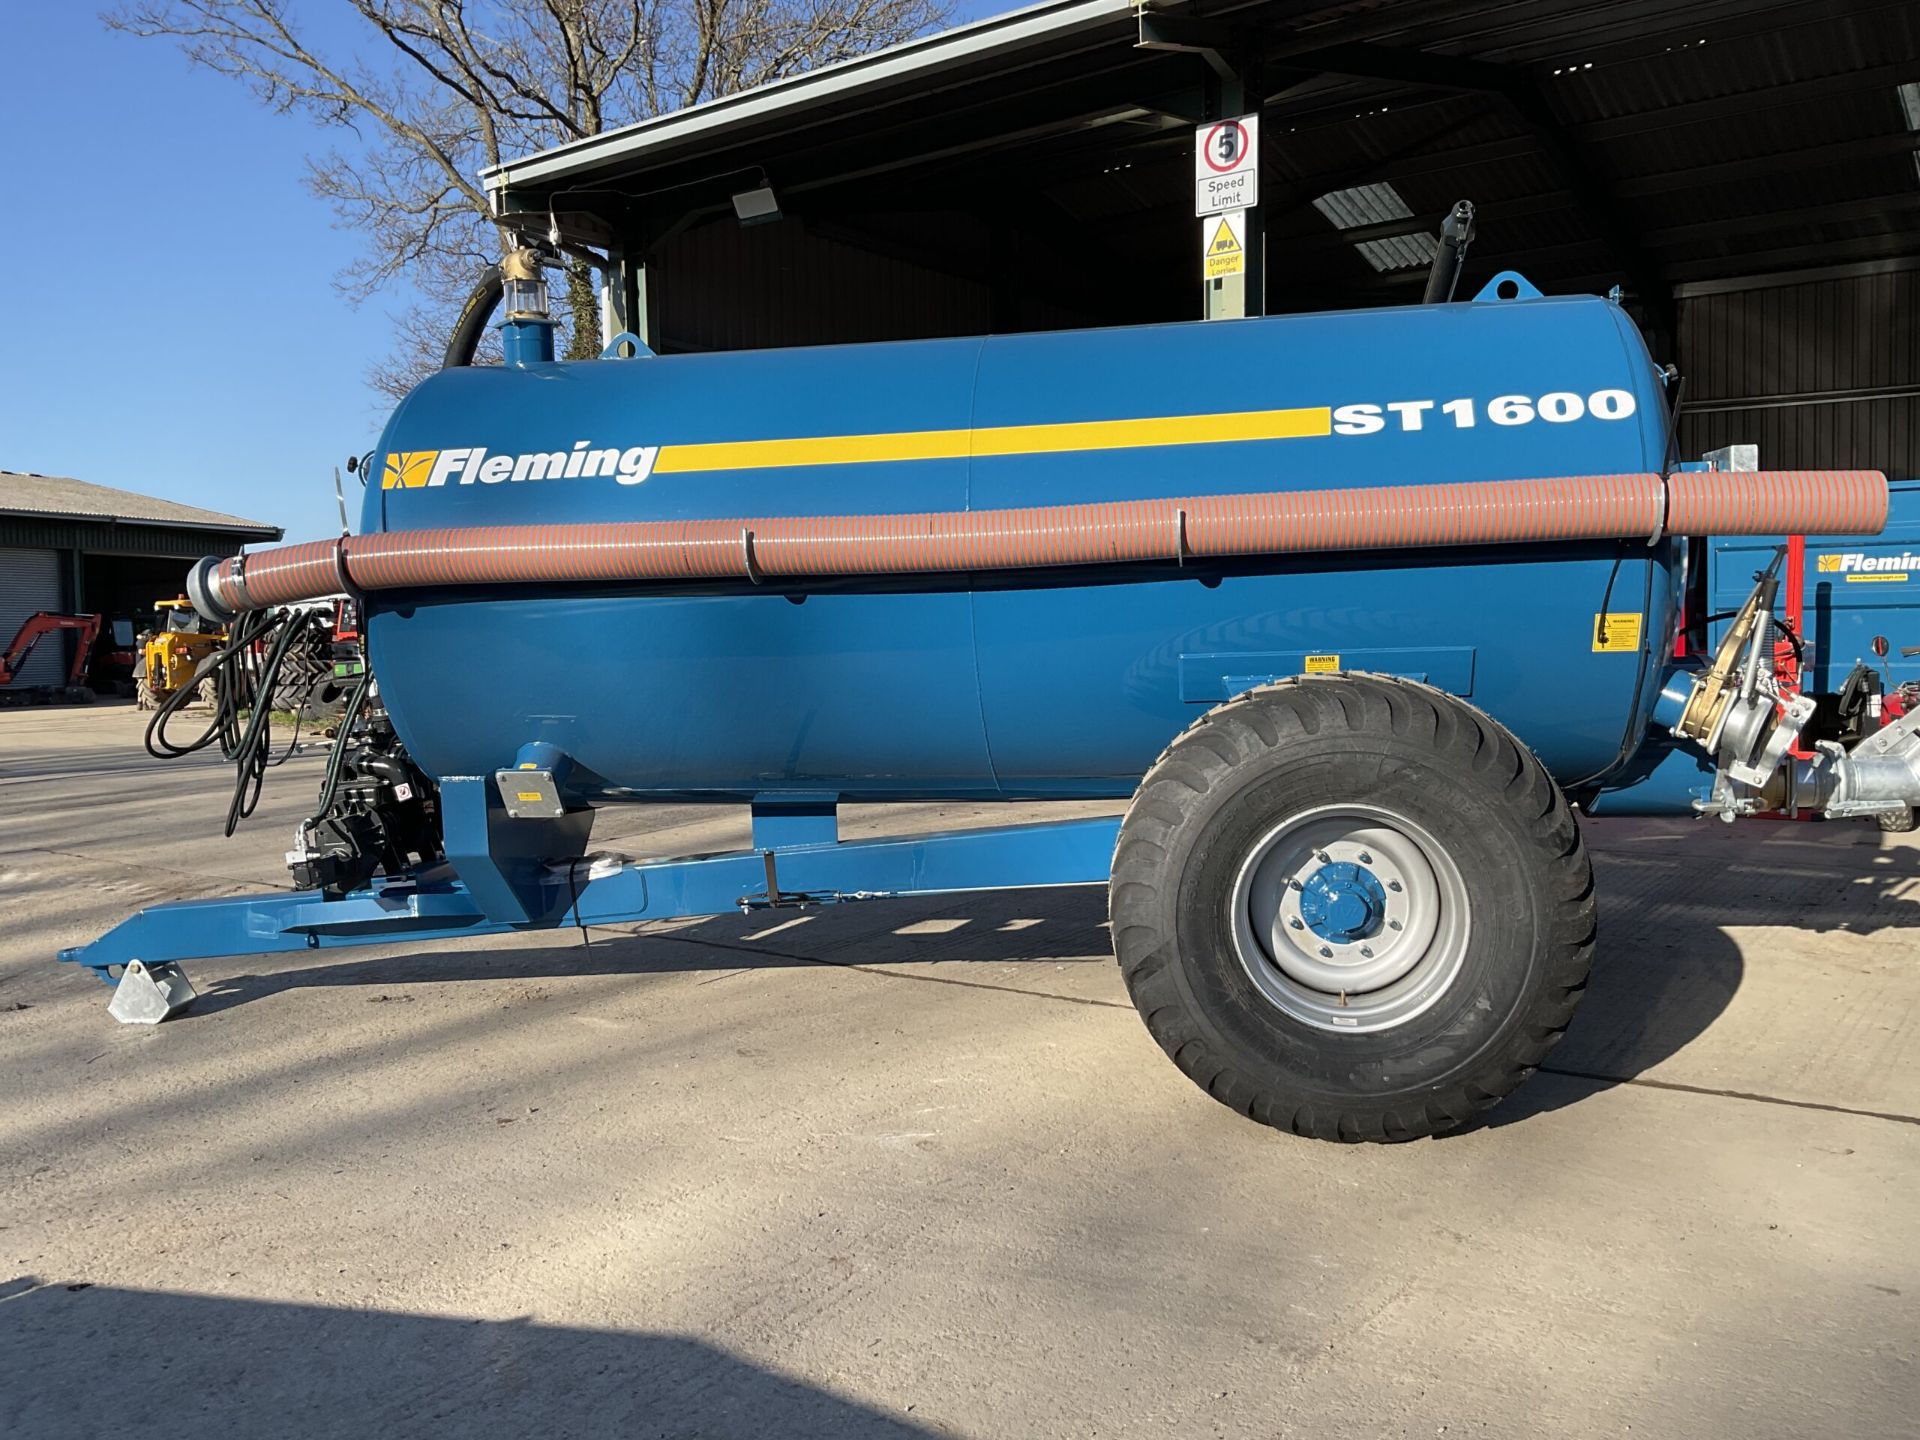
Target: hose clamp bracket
point(238, 582)
point(340, 575)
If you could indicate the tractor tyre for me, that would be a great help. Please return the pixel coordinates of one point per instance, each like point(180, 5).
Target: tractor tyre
point(1353, 907)
point(143, 696)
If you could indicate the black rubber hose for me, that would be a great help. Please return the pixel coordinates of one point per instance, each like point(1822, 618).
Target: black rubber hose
point(349, 717)
point(244, 686)
point(232, 668)
point(253, 754)
point(472, 324)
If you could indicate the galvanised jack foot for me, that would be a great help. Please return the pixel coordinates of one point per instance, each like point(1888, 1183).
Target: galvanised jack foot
point(146, 995)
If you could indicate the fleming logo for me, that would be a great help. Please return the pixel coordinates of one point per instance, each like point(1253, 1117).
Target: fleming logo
point(408, 470)
point(1858, 565)
point(426, 469)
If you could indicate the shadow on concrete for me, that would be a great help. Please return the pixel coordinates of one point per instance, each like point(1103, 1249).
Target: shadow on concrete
point(1059, 925)
point(80, 1360)
point(1668, 965)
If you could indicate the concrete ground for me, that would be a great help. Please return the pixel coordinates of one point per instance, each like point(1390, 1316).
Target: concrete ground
point(914, 1169)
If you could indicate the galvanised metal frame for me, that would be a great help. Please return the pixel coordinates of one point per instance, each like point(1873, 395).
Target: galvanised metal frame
point(797, 860)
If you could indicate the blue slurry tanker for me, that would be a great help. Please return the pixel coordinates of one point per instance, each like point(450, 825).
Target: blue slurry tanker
point(1355, 611)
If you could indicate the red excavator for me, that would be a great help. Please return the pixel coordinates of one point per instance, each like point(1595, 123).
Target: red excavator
point(75, 691)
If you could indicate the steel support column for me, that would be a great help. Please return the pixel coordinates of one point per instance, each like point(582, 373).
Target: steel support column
point(1236, 91)
point(1232, 85)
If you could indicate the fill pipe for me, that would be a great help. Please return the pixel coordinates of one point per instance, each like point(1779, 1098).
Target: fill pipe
point(1489, 512)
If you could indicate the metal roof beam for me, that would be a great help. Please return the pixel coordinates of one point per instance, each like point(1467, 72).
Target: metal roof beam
point(1493, 152)
point(1590, 190)
point(1872, 208)
point(1813, 157)
point(1747, 102)
point(1822, 253)
point(1409, 67)
point(1728, 22)
point(1212, 40)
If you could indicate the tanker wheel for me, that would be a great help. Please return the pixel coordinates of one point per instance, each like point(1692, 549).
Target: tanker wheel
point(1897, 822)
point(1353, 907)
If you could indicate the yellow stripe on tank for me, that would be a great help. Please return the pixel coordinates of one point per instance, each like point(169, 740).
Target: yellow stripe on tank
point(1000, 440)
point(1163, 430)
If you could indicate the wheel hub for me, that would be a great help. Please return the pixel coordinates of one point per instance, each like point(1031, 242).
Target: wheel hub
point(1350, 918)
point(1342, 901)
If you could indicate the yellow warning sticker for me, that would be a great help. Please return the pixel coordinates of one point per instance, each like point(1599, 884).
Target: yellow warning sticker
point(1616, 632)
point(1225, 252)
point(530, 797)
point(1322, 664)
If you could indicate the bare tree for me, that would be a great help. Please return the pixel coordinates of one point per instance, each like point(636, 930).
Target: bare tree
point(435, 90)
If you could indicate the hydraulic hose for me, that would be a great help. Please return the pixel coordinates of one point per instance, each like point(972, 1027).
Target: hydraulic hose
point(472, 324)
point(246, 675)
point(1491, 512)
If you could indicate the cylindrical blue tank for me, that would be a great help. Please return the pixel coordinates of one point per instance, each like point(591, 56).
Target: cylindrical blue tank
point(1026, 684)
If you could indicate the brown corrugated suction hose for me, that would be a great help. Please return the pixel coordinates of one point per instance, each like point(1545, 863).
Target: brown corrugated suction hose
point(1491, 512)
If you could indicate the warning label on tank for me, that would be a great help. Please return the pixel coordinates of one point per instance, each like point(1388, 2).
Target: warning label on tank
point(1616, 632)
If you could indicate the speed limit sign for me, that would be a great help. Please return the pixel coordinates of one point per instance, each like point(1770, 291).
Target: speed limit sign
point(1226, 165)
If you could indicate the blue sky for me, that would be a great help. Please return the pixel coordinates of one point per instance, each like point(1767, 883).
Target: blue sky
point(176, 329)
point(175, 325)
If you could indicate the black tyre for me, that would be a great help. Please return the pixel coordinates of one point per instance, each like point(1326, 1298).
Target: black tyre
point(1896, 822)
point(1352, 907)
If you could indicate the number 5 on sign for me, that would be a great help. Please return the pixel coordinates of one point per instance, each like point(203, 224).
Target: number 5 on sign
point(1223, 245)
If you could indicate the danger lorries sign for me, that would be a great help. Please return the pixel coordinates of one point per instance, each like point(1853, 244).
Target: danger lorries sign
point(1223, 245)
point(1226, 165)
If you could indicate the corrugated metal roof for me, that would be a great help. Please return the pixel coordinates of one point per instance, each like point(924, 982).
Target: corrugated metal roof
point(912, 62)
point(1635, 141)
point(22, 492)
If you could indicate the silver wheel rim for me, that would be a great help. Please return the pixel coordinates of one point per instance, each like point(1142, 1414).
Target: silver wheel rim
point(1350, 918)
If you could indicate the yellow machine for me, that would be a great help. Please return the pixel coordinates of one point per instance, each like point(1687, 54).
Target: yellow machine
point(179, 640)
